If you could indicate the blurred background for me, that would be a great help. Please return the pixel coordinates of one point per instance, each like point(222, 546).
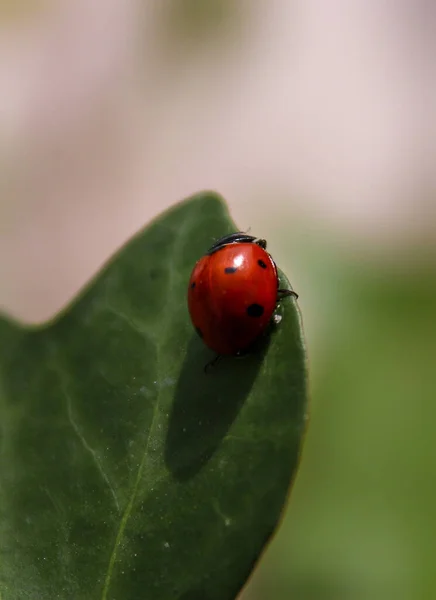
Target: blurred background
point(316, 121)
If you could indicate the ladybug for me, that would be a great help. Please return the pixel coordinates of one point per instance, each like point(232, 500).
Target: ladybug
point(232, 294)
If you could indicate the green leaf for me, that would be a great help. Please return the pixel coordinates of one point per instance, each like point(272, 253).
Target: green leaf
point(126, 472)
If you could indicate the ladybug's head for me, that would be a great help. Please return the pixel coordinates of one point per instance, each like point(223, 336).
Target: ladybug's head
point(237, 238)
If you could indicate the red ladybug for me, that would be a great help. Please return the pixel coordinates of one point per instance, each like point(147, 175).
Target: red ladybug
point(233, 292)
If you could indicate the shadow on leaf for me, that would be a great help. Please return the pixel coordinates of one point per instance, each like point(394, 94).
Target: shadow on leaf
point(193, 595)
point(206, 405)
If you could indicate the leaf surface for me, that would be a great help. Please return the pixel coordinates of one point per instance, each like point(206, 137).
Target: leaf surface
point(126, 473)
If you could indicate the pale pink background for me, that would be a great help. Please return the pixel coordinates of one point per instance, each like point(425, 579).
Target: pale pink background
point(306, 114)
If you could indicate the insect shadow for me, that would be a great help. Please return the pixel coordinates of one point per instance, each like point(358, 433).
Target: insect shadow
point(193, 595)
point(206, 404)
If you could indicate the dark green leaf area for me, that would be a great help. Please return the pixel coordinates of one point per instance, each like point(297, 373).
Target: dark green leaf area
point(126, 472)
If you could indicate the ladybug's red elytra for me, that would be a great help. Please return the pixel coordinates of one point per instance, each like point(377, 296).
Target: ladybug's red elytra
point(233, 292)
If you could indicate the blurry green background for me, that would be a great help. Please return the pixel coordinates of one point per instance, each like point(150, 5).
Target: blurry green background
point(325, 146)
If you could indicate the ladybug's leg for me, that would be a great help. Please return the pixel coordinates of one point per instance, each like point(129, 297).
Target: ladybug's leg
point(283, 293)
point(212, 363)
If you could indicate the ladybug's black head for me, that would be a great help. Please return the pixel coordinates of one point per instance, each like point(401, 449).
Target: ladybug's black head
point(237, 238)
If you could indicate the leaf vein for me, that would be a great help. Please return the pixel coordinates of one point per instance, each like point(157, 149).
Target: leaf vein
point(92, 452)
point(129, 507)
point(78, 432)
point(134, 324)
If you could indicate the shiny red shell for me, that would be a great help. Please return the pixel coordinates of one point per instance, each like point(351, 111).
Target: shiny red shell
point(232, 295)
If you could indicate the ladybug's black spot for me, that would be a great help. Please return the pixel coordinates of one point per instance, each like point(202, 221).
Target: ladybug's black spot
point(193, 285)
point(255, 310)
point(230, 270)
point(261, 263)
point(200, 333)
